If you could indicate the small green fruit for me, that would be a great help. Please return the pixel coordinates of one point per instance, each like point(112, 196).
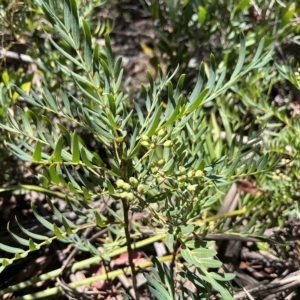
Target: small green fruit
point(119, 183)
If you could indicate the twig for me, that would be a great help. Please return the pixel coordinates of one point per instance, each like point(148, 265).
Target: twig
point(129, 249)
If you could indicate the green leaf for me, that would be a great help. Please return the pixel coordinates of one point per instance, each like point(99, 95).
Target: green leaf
point(9, 249)
point(198, 101)
point(158, 289)
point(43, 221)
point(118, 81)
point(203, 252)
point(29, 99)
point(37, 154)
point(110, 187)
point(199, 84)
point(175, 114)
point(67, 15)
point(99, 220)
point(64, 53)
point(20, 240)
point(288, 15)
point(27, 126)
point(49, 99)
point(32, 245)
point(155, 121)
point(66, 104)
point(262, 162)
point(74, 22)
point(75, 149)
point(202, 14)
point(139, 113)
point(56, 156)
point(111, 121)
point(85, 159)
point(222, 277)
point(242, 5)
point(53, 174)
point(5, 77)
point(88, 51)
point(170, 241)
point(169, 167)
point(241, 58)
point(31, 234)
point(66, 225)
point(57, 232)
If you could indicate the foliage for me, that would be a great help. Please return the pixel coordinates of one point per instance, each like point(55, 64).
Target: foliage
point(162, 152)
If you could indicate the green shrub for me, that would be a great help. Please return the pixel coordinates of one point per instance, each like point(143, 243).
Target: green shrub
point(160, 153)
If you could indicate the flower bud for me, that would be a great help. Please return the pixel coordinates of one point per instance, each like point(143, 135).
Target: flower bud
point(120, 139)
point(191, 174)
point(191, 187)
point(126, 187)
point(182, 169)
point(123, 195)
point(168, 144)
point(140, 188)
point(161, 162)
point(133, 181)
point(199, 174)
point(145, 144)
point(155, 170)
point(182, 178)
point(119, 183)
point(145, 138)
point(152, 164)
point(129, 197)
point(161, 133)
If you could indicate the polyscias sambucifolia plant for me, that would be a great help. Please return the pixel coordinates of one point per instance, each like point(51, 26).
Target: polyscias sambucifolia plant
point(158, 156)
